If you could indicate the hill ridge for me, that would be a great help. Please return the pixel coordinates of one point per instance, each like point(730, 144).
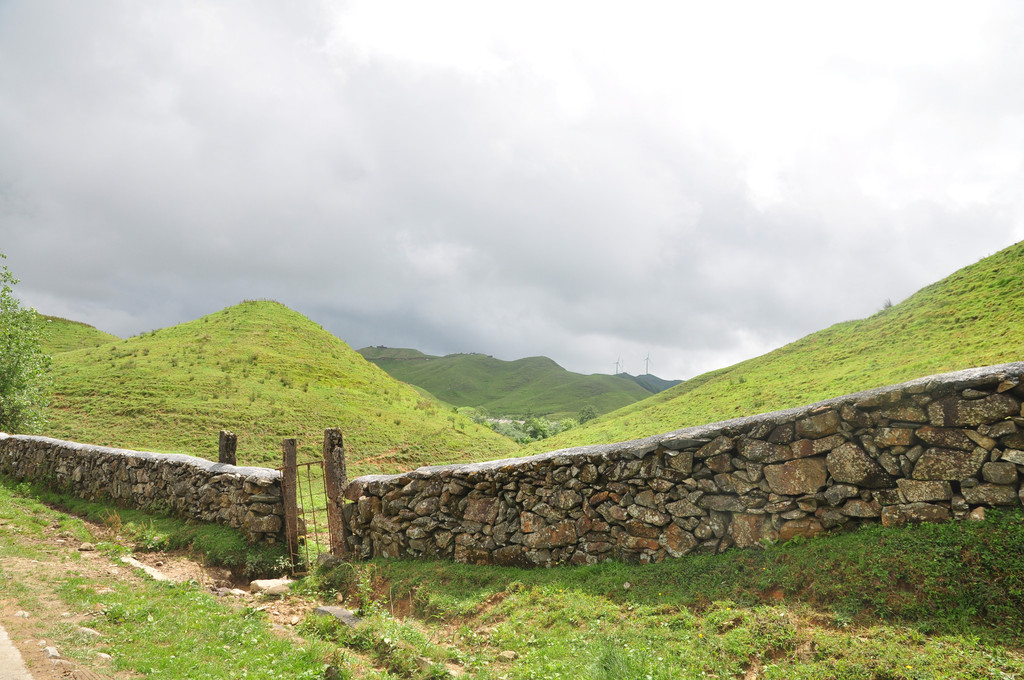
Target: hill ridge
point(973, 317)
point(266, 372)
point(535, 385)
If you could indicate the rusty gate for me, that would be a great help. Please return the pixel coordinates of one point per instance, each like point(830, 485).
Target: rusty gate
point(313, 493)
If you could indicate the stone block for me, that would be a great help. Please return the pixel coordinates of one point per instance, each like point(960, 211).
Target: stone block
point(945, 438)
point(957, 412)
point(990, 494)
point(999, 473)
point(808, 527)
point(749, 530)
point(649, 515)
point(797, 477)
point(849, 464)
point(894, 436)
point(676, 541)
point(819, 425)
point(859, 508)
point(949, 465)
point(915, 491)
point(763, 452)
point(913, 513)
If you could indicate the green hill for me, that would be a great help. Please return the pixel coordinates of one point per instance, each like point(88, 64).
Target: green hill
point(63, 335)
point(975, 317)
point(532, 386)
point(264, 372)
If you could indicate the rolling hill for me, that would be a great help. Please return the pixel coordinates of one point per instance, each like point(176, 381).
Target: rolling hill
point(264, 372)
point(974, 317)
point(531, 386)
point(63, 335)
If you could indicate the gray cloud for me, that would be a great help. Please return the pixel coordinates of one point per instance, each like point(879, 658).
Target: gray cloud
point(586, 189)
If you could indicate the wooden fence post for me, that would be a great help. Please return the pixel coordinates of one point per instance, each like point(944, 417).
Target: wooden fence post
point(289, 490)
point(228, 445)
point(335, 483)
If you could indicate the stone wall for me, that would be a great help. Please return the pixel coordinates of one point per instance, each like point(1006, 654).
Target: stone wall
point(927, 450)
point(246, 498)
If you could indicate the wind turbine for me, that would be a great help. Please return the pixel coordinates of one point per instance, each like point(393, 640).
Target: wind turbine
point(647, 369)
point(617, 362)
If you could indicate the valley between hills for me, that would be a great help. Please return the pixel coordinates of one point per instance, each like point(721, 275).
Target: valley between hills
point(934, 601)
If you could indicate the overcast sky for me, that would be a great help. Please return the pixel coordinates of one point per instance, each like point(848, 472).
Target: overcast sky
point(701, 182)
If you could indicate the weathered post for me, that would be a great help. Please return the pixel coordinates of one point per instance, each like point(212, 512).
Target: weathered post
point(335, 483)
point(228, 445)
point(289, 493)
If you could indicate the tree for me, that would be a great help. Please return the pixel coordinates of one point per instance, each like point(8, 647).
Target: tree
point(587, 413)
point(24, 367)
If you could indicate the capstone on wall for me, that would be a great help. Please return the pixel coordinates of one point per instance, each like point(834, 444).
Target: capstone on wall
point(246, 498)
point(928, 450)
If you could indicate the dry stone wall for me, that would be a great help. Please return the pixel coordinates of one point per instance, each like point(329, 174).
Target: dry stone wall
point(924, 451)
point(246, 498)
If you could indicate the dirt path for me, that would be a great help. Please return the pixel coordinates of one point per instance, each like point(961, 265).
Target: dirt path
point(56, 555)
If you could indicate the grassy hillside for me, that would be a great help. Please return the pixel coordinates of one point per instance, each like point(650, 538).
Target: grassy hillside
point(975, 317)
point(930, 602)
point(64, 335)
point(536, 385)
point(264, 372)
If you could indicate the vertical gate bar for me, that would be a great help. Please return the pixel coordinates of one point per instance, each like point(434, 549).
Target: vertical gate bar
point(335, 482)
point(310, 516)
point(320, 534)
point(289, 479)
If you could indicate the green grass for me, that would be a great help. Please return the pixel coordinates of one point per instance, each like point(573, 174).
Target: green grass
point(975, 317)
point(179, 631)
point(933, 601)
point(149, 628)
point(148, 532)
point(264, 372)
point(532, 386)
point(63, 335)
point(875, 603)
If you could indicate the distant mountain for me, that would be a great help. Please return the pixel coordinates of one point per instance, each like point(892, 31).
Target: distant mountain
point(652, 383)
point(974, 317)
point(535, 385)
point(263, 371)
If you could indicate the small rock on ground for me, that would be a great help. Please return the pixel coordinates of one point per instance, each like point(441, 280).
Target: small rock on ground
point(271, 586)
point(346, 616)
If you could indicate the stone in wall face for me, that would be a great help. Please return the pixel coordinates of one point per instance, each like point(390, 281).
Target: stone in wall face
point(649, 515)
point(913, 513)
point(716, 446)
point(797, 477)
point(990, 494)
point(957, 412)
point(903, 413)
point(483, 510)
point(949, 465)
point(894, 436)
point(915, 491)
point(945, 438)
point(763, 452)
point(677, 541)
point(849, 464)
point(860, 508)
point(748, 531)
point(808, 527)
point(1014, 456)
point(818, 426)
point(684, 508)
point(1003, 472)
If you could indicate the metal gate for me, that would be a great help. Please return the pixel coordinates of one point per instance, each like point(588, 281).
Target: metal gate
point(312, 494)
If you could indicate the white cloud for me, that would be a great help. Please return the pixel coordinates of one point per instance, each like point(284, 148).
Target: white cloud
point(702, 181)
